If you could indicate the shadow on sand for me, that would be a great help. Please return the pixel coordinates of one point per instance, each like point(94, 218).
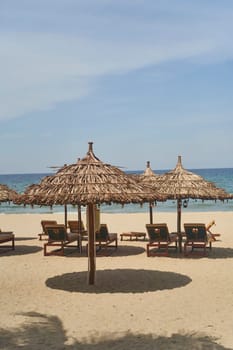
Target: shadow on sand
point(128, 250)
point(220, 253)
point(214, 253)
point(21, 250)
point(47, 332)
point(25, 238)
point(125, 250)
point(119, 281)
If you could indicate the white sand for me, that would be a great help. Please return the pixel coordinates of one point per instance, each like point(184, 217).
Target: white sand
point(137, 302)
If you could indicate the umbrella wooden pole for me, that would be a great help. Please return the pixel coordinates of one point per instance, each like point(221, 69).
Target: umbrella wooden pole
point(79, 228)
point(79, 219)
point(179, 203)
point(91, 244)
point(151, 213)
point(65, 212)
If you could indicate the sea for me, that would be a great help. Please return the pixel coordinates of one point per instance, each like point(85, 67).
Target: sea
point(221, 177)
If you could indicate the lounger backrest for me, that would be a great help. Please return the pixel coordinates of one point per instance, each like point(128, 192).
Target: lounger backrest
point(56, 232)
point(158, 232)
point(195, 232)
point(74, 225)
point(44, 223)
point(103, 233)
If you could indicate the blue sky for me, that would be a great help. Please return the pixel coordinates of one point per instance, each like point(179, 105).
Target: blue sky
point(144, 80)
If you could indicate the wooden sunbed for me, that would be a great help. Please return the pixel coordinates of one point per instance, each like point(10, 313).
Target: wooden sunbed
point(6, 237)
point(59, 237)
point(196, 238)
point(160, 240)
point(104, 239)
point(44, 234)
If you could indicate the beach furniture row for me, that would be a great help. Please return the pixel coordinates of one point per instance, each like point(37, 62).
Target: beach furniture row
point(196, 237)
point(58, 235)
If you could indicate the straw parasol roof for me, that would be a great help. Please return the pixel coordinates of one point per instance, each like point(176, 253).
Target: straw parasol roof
point(89, 182)
point(149, 177)
point(180, 183)
point(7, 194)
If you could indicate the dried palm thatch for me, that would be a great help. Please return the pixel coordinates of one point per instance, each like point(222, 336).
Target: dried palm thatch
point(7, 194)
point(149, 175)
point(182, 184)
point(149, 178)
point(89, 182)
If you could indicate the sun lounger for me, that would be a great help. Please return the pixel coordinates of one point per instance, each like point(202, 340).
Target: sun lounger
point(160, 240)
point(6, 237)
point(74, 228)
point(104, 239)
point(196, 238)
point(44, 234)
point(59, 237)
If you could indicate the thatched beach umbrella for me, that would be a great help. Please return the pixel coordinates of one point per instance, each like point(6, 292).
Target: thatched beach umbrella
point(7, 194)
point(33, 195)
point(181, 184)
point(149, 178)
point(89, 182)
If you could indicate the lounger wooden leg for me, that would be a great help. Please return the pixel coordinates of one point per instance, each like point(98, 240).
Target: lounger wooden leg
point(62, 249)
point(45, 251)
point(147, 250)
point(79, 243)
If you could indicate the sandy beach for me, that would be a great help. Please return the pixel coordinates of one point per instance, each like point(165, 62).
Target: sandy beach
point(137, 303)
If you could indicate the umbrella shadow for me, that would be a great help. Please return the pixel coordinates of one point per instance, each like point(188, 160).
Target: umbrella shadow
point(25, 238)
point(124, 250)
point(43, 331)
point(21, 250)
point(119, 281)
point(214, 253)
point(220, 253)
point(127, 250)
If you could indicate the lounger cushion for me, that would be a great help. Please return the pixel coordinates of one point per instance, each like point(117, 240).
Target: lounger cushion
point(112, 236)
point(4, 236)
point(72, 236)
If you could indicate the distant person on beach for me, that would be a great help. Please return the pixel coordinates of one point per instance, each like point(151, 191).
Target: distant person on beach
point(212, 236)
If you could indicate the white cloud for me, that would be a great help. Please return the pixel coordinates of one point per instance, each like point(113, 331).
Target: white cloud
point(39, 70)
